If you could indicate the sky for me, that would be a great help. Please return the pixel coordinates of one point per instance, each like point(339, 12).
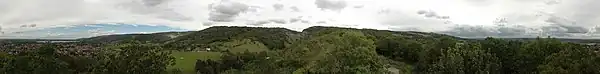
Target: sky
point(462, 18)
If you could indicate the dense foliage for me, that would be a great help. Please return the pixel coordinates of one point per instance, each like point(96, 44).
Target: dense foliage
point(123, 59)
point(317, 50)
point(273, 38)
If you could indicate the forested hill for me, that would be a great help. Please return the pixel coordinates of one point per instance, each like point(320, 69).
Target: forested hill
point(220, 33)
point(276, 35)
point(273, 38)
point(153, 38)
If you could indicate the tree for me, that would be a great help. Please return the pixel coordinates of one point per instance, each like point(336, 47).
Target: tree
point(432, 51)
point(575, 60)
point(134, 58)
point(465, 59)
point(533, 53)
point(400, 49)
point(506, 51)
point(341, 51)
point(44, 60)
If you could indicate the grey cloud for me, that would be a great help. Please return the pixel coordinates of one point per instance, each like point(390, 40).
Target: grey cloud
point(552, 2)
point(570, 27)
point(572, 18)
point(154, 7)
point(220, 17)
point(331, 4)
point(421, 12)
point(471, 31)
point(321, 22)
point(153, 2)
point(511, 31)
point(259, 23)
point(293, 20)
point(298, 19)
point(494, 31)
point(227, 11)
point(443, 17)
point(432, 14)
point(20, 12)
point(26, 26)
point(554, 31)
point(514, 31)
point(584, 12)
point(559, 21)
point(278, 21)
point(278, 7)
point(33, 25)
point(295, 9)
point(304, 21)
point(231, 8)
point(359, 6)
point(409, 20)
point(138, 7)
point(597, 29)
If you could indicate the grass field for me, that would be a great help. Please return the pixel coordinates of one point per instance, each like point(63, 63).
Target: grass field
point(187, 60)
point(253, 47)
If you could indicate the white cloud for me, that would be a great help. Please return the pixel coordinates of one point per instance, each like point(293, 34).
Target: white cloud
point(541, 17)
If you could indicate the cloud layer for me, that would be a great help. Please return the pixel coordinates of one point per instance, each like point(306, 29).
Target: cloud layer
point(464, 18)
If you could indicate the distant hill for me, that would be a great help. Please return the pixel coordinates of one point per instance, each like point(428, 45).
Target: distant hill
point(273, 38)
point(584, 41)
point(153, 38)
point(374, 32)
point(35, 40)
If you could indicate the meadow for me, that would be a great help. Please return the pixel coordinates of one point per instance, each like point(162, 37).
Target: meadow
point(185, 61)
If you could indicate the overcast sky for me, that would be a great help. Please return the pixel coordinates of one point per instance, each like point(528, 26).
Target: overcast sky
point(463, 18)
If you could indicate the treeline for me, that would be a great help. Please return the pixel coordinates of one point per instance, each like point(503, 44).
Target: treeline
point(350, 52)
point(131, 58)
point(446, 55)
